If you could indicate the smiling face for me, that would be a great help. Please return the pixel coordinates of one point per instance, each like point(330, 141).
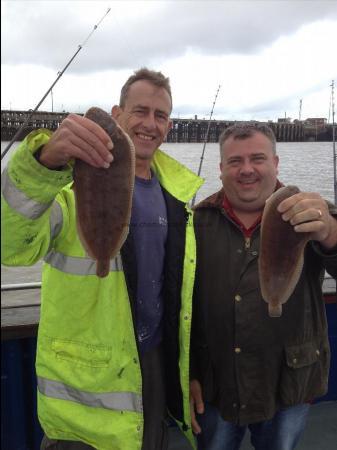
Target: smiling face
point(248, 171)
point(145, 117)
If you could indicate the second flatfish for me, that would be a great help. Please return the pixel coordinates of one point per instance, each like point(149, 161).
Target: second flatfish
point(281, 253)
point(104, 196)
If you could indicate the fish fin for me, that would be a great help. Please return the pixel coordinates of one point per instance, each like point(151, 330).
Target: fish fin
point(103, 268)
point(274, 310)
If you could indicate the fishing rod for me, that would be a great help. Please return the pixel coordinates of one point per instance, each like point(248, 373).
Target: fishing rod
point(206, 137)
point(59, 75)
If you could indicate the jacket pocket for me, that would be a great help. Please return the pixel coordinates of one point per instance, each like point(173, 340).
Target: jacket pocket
point(81, 354)
point(304, 374)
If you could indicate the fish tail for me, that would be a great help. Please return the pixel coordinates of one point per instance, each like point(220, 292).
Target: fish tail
point(103, 268)
point(275, 310)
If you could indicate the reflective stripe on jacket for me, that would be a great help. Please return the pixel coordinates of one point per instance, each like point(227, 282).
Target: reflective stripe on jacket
point(89, 376)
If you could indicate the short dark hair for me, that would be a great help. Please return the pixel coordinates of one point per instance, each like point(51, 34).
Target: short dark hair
point(244, 130)
point(156, 78)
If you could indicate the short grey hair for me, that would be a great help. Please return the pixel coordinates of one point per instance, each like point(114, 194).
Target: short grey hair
point(156, 78)
point(244, 130)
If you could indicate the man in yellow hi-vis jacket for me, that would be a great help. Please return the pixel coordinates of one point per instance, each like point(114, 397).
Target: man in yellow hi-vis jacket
point(105, 344)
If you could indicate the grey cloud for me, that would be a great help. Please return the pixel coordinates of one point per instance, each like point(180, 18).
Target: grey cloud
point(289, 102)
point(276, 107)
point(48, 33)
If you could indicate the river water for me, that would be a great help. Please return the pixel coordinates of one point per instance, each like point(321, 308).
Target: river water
point(308, 165)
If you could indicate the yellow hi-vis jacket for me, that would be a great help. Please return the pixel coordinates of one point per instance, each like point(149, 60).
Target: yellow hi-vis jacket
point(88, 370)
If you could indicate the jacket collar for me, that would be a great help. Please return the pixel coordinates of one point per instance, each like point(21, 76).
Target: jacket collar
point(177, 179)
point(216, 200)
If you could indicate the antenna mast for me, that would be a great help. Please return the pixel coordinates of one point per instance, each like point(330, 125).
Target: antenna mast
point(59, 75)
point(332, 85)
point(300, 112)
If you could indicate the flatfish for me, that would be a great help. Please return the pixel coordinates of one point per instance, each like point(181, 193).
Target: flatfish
point(104, 196)
point(281, 253)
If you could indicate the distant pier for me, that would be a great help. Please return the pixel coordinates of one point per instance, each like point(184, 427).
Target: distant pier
point(195, 130)
point(183, 130)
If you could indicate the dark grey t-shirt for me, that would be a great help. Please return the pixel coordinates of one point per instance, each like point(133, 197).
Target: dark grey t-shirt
point(149, 231)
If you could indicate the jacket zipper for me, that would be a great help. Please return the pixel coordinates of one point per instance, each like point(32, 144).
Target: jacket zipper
point(247, 242)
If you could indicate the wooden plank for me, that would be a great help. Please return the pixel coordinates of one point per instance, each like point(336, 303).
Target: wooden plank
point(21, 274)
point(17, 299)
point(18, 323)
point(329, 287)
point(20, 317)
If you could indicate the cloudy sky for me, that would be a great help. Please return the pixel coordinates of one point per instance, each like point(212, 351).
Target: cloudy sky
point(267, 55)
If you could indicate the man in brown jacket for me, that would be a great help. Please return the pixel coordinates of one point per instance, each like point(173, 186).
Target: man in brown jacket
point(249, 369)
